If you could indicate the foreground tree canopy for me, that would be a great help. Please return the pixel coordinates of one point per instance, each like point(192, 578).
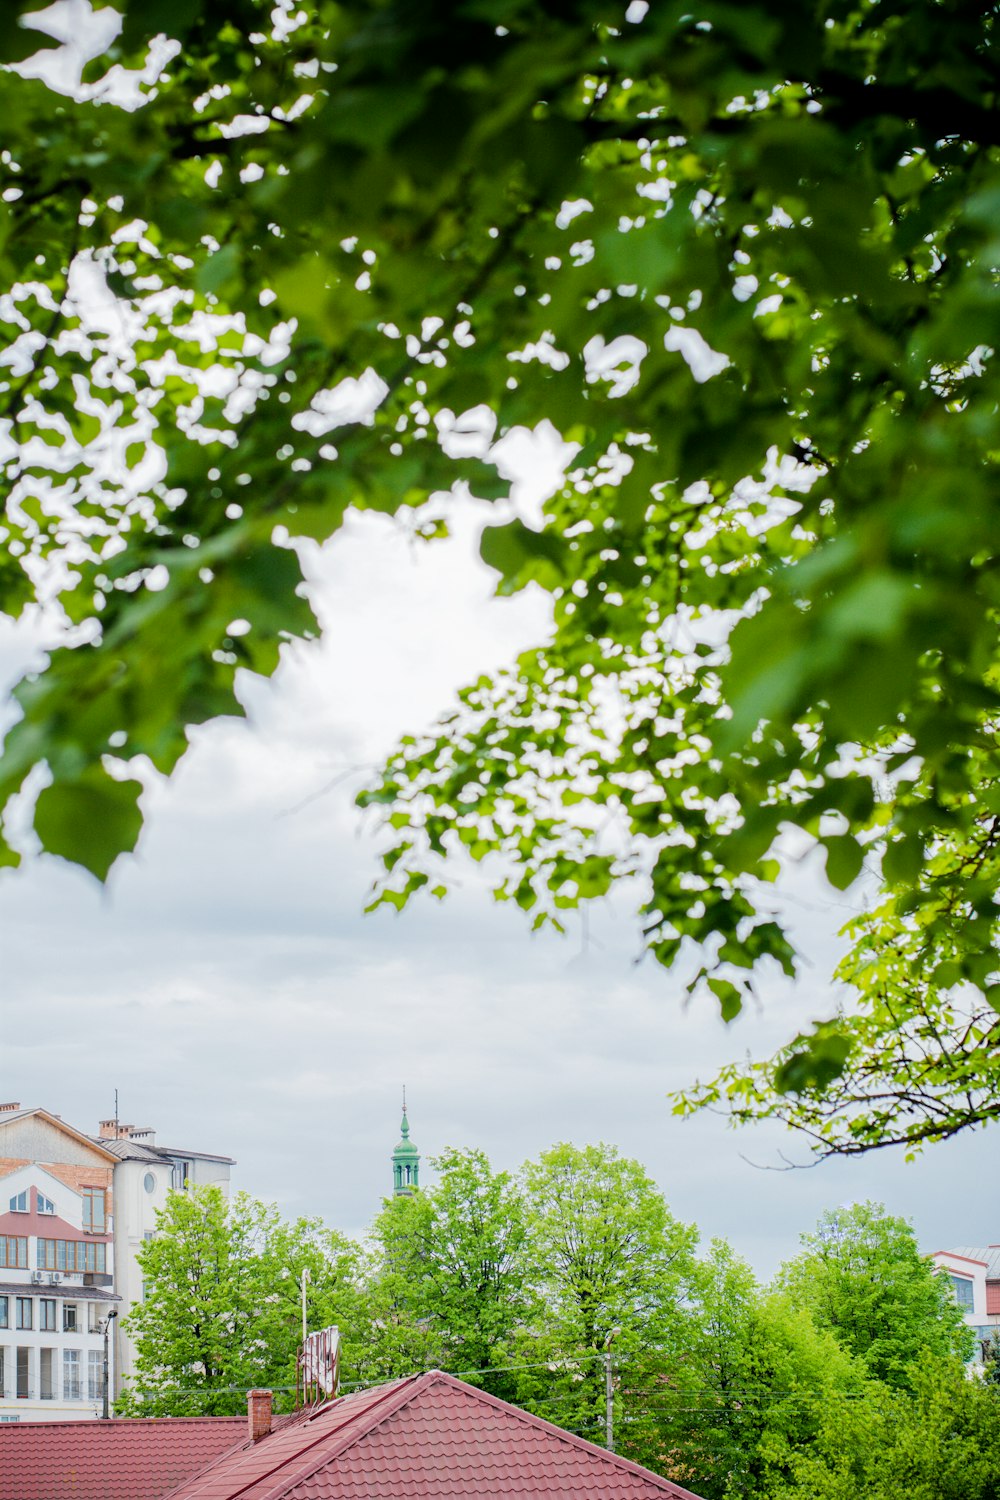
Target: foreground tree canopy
point(271, 262)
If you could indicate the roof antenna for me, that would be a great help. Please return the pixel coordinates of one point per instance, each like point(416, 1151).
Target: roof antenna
point(116, 1115)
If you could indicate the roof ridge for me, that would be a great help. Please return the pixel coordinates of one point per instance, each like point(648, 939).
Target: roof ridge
point(529, 1417)
point(405, 1387)
point(63, 1125)
point(281, 1463)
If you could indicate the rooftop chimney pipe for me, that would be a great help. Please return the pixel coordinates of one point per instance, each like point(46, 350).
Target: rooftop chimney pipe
point(259, 1405)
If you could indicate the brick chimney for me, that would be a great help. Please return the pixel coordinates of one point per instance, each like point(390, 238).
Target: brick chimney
point(7, 1108)
point(259, 1405)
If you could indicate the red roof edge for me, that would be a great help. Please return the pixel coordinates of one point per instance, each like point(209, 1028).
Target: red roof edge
point(398, 1393)
point(404, 1391)
point(955, 1256)
point(568, 1437)
point(298, 1419)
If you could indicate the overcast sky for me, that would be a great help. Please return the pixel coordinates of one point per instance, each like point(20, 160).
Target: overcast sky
point(229, 986)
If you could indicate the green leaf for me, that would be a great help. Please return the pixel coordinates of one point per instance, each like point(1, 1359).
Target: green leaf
point(729, 998)
point(844, 859)
point(90, 820)
point(813, 1063)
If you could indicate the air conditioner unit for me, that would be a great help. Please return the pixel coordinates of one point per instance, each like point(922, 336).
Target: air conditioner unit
point(37, 1277)
point(54, 1278)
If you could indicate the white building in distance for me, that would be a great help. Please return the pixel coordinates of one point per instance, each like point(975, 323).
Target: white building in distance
point(56, 1268)
point(143, 1176)
point(974, 1273)
point(74, 1212)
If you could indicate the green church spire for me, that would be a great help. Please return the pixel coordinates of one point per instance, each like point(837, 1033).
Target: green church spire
point(405, 1161)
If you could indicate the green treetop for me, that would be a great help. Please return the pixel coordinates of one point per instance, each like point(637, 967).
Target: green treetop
point(862, 1276)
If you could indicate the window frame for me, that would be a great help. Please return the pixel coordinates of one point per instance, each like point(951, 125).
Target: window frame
point(20, 1305)
point(74, 1256)
point(50, 1394)
point(95, 1374)
point(20, 1244)
point(72, 1375)
point(94, 1197)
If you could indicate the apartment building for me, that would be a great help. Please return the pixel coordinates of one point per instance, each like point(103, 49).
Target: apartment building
point(56, 1268)
point(144, 1174)
point(75, 1210)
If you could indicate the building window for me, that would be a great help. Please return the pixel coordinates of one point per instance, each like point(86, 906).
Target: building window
point(45, 1205)
point(19, 1203)
point(95, 1375)
point(4, 1316)
point(69, 1317)
point(71, 1255)
point(962, 1288)
point(23, 1312)
point(93, 1317)
point(46, 1380)
point(93, 1209)
point(14, 1251)
point(72, 1389)
point(47, 1314)
point(149, 1183)
point(180, 1175)
point(23, 1387)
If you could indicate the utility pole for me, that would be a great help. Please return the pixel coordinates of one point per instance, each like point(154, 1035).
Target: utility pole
point(609, 1397)
point(106, 1410)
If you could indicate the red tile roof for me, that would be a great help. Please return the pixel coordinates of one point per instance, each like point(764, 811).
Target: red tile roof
point(428, 1437)
point(122, 1459)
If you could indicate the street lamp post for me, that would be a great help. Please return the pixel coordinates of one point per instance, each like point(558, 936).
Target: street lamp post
point(106, 1407)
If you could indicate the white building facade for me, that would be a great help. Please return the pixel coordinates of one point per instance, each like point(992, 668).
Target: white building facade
point(144, 1174)
point(75, 1211)
point(56, 1269)
point(974, 1274)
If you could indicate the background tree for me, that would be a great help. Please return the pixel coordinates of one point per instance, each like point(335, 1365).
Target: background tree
point(862, 1276)
point(741, 257)
point(392, 1340)
point(331, 1265)
point(198, 1329)
point(454, 1260)
point(607, 1261)
point(221, 1310)
point(751, 1390)
point(942, 1442)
